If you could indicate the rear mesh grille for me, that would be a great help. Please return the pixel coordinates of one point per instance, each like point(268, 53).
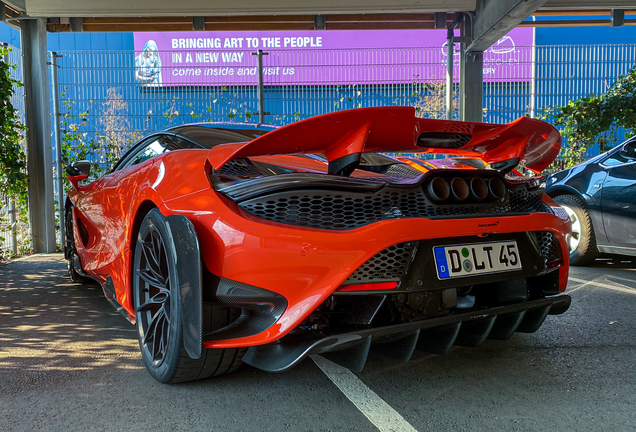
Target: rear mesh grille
point(402, 171)
point(337, 211)
point(239, 168)
point(392, 263)
point(527, 201)
point(550, 247)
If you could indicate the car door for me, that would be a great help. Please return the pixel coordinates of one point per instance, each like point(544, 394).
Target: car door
point(120, 187)
point(89, 223)
point(618, 199)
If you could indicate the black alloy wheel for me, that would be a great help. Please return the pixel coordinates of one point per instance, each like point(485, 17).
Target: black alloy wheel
point(154, 297)
point(158, 311)
point(156, 305)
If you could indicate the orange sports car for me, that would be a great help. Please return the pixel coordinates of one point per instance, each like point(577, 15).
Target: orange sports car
point(236, 243)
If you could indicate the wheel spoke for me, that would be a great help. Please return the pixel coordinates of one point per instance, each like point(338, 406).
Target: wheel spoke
point(150, 332)
point(153, 279)
point(152, 298)
point(154, 276)
point(155, 337)
point(156, 300)
point(156, 246)
point(158, 351)
point(152, 260)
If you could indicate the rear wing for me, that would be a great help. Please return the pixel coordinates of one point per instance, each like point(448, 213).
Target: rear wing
point(344, 135)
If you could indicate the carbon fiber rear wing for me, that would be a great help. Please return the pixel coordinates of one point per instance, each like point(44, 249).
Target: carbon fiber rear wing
point(344, 135)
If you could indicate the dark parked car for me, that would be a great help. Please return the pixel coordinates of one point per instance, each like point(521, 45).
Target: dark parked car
point(600, 198)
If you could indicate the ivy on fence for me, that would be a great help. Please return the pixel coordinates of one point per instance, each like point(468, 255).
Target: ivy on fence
point(13, 164)
point(596, 119)
point(106, 146)
point(13, 178)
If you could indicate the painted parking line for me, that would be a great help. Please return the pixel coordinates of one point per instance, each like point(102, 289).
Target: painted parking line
point(385, 418)
point(612, 277)
point(623, 289)
point(588, 283)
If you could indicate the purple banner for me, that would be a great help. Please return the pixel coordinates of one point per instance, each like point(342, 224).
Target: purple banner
point(327, 57)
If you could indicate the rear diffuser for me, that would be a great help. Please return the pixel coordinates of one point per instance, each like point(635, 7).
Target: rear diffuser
point(436, 335)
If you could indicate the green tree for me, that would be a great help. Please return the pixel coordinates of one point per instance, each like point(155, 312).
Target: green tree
point(13, 177)
point(596, 119)
point(13, 164)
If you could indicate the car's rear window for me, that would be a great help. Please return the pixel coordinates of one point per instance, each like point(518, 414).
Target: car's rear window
point(209, 137)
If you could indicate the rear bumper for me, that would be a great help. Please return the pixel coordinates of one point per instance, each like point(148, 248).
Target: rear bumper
point(435, 335)
point(306, 266)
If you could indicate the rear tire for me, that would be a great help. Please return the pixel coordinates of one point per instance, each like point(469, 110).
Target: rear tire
point(583, 250)
point(76, 275)
point(158, 311)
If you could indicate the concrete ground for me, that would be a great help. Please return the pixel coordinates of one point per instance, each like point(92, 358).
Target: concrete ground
point(68, 361)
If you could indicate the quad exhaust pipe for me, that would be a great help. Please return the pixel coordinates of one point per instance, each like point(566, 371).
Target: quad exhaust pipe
point(438, 190)
point(478, 189)
point(459, 190)
point(496, 189)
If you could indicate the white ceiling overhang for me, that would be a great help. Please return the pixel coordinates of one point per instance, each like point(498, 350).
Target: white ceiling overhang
point(148, 8)
point(163, 8)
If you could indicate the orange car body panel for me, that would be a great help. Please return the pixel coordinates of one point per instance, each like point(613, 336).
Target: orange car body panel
point(305, 265)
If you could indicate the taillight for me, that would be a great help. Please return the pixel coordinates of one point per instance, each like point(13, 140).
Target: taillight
point(377, 286)
point(554, 263)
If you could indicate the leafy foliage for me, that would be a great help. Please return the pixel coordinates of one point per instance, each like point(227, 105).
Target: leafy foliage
point(106, 147)
point(596, 119)
point(13, 177)
point(14, 210)
point(114, 134)
point(431, 100)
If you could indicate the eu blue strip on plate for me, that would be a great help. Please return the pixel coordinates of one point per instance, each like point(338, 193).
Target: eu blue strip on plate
point(440, 260)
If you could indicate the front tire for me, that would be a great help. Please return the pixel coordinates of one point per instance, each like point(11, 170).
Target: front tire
point(582, 245)
point(158, 311)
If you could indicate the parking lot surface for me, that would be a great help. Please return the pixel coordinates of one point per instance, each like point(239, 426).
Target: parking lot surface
point(68, 361)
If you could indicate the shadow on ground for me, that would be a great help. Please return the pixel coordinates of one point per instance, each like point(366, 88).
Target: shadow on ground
point(68, 361)
point(50, 325)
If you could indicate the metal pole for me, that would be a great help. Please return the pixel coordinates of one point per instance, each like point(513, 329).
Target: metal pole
point(462, 78)
point(58, 148)
point(38, 122)
point(261, 87)
point(14, 227)
point(533, 80)
point(474, 86)
point(450, 51)
point(466, 35)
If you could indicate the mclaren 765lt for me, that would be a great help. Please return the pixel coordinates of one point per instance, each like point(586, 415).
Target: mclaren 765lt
point(234, 243)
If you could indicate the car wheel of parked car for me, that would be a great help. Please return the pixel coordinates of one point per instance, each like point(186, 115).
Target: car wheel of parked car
point(583, 249)
point(73, 261)
point(158, 312)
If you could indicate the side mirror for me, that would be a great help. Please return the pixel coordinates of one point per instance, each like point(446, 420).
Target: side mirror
point(78, 168)
point(629, 150)
point(78, 171)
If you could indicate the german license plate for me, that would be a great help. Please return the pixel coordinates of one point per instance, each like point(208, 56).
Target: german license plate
point(476, 259)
